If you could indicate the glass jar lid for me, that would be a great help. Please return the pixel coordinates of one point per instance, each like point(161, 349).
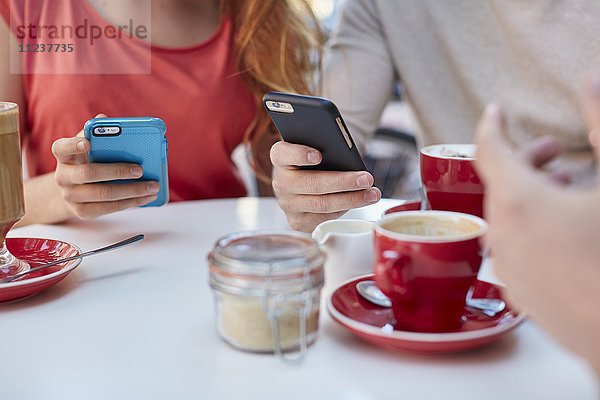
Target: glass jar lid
point(261, 260)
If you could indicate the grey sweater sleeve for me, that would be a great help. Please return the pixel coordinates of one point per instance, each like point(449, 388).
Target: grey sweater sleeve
point(358, 71)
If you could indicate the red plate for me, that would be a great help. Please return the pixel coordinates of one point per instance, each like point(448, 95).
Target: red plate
point(375, 324)
point(37, 252)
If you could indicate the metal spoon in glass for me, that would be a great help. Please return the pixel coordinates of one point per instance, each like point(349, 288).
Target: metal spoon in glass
point(369, 291)
point(115, 246)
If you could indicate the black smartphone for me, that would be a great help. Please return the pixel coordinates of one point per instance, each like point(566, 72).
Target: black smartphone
point(317, 123)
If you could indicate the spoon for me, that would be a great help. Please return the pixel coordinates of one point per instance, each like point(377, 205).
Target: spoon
point(105, 249)
point(424, 202)
point(369, 291)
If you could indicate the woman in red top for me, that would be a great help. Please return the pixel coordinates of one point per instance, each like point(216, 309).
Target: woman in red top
point(203, 72)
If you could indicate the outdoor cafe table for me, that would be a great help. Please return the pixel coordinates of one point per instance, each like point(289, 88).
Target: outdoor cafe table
point(138, 324)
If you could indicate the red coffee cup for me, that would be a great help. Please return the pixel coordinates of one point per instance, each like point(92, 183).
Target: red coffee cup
point(450, 180)
point(409, 205)
point(426, 261)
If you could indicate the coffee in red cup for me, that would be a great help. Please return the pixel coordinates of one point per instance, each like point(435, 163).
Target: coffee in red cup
point(426, 261)
point(450, 180)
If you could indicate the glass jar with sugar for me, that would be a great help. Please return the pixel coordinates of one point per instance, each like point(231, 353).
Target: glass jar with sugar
point(267, 288)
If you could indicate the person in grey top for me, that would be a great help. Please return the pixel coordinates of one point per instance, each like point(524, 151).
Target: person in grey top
point(526, 61)
point(453, 57)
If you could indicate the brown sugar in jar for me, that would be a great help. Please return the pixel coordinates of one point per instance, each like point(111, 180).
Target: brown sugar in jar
point(267, 288)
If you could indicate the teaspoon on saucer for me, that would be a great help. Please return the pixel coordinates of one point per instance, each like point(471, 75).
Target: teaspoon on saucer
point(369, 291)
point(104, 249)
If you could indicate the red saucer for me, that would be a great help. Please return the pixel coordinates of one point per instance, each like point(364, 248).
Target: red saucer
point(375, 324)
point(37, 252)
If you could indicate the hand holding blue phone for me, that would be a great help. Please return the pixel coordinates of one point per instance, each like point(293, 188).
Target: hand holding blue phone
point(128, 169)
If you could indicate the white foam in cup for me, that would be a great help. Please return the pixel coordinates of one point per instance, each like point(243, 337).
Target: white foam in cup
point(451, 151)
point(432, 226)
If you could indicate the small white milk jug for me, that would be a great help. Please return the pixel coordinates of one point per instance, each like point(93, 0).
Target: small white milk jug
point(348, 244)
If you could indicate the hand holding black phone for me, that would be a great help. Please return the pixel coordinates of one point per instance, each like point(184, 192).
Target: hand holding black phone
point(317, 123)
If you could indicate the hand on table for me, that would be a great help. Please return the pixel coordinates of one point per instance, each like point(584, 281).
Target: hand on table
point(83, 184)
point(309, 197)
point(544, 236)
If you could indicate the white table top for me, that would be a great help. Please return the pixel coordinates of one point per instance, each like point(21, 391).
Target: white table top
point(138, 324)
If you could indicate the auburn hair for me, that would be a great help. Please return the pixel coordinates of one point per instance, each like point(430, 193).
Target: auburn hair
point(277, 46)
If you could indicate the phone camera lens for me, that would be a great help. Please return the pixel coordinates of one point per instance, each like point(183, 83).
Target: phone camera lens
point(276, 105)
point(101, 130)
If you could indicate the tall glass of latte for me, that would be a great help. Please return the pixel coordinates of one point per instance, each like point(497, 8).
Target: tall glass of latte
point(12, 205)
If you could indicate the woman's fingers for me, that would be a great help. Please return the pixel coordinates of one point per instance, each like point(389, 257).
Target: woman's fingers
point(67, 174)
point(106, 192)
point(95, 210)
point(87, 188)
point(71, 150)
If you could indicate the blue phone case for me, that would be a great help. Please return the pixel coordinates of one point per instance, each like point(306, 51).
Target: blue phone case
point(141, 141)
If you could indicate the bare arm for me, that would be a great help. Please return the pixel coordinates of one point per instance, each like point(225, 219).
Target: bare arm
point(43, 200)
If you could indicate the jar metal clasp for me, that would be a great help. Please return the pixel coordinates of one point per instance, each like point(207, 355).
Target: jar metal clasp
point(274, 305)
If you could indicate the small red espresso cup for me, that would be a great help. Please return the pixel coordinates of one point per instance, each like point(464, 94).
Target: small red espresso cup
point(426, 261)
point(410, 205)
point(450, 180)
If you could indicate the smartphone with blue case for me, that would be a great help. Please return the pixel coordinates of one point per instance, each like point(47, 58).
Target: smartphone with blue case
point(138, 140)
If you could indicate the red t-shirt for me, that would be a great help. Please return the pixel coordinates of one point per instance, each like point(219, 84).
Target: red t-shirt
point(196, 91)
